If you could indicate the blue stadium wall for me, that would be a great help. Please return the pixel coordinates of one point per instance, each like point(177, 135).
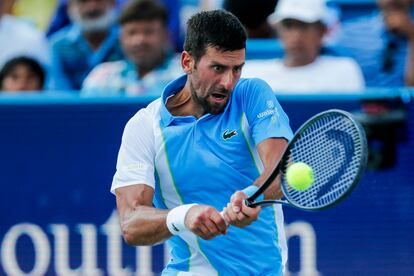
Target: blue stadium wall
point(58, 156)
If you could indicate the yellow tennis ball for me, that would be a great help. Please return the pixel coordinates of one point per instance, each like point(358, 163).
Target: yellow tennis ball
point(299, 176)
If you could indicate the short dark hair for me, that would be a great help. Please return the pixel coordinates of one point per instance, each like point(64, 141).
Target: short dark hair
point(31, 63)
point(216, 28)
point(143, 10)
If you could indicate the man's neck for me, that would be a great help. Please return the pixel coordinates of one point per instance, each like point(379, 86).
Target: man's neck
point(143, 70)
point(292, 62)
point(181, 104)
point(95, 40)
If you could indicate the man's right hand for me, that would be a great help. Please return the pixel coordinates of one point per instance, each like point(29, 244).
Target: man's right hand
point(205, 221)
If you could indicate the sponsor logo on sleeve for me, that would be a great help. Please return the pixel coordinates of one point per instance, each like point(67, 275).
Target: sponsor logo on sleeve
point(270, 111)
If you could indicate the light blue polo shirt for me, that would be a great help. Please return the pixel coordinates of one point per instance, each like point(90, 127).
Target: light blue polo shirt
point(205, 161)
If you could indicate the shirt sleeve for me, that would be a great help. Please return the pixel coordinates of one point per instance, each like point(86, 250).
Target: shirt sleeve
point(264, 114)
point(135, 163)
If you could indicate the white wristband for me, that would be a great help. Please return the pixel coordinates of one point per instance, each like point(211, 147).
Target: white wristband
point(176, 218)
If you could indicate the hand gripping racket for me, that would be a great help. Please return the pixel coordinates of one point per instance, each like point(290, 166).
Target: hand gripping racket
point(334, 145)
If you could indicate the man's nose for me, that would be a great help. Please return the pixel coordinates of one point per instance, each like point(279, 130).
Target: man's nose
point(227, 81)
point(138, 38)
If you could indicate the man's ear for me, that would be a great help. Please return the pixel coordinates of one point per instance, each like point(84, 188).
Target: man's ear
point(187, 62)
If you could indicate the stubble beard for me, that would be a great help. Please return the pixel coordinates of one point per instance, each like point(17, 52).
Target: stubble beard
point(205, 104)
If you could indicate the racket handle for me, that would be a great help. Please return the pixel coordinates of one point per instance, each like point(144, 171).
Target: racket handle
point(248, 203)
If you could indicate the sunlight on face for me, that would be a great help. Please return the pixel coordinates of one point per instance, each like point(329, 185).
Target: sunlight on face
point(213, 78)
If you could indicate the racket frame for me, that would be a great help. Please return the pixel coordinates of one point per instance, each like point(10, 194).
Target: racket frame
point(281, 166)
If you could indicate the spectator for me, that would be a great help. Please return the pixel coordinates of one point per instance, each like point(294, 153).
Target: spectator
point(383, 43)
point(22, 74)
point(253, 15)
point(301, 27)
point(150, 62)
point(60, 19)
point(91, 39)
point(17, 38)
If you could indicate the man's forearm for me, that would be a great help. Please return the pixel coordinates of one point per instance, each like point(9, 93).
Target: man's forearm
point(145, 226)
point(271, 151)
point(273, 191)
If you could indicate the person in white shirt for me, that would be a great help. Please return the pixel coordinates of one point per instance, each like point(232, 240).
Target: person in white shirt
point(301, 27)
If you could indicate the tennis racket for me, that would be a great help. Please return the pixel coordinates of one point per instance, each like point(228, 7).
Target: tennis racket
point(334, 145)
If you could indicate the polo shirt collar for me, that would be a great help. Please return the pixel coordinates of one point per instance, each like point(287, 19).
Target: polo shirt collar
point(171, 89)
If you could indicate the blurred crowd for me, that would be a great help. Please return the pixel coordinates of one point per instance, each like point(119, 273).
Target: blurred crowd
point(132, 47)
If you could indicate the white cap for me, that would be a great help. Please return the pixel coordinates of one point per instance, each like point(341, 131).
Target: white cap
point(309, 11)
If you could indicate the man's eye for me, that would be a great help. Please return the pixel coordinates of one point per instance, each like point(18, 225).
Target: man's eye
point(237, 69)
point(217, 68)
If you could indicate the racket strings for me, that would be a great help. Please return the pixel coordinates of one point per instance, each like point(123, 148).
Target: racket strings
point(331, 146)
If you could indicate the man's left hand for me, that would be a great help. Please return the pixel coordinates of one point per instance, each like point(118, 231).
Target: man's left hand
point(237, 213)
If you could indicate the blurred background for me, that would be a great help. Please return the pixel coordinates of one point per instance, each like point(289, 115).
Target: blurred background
point(72, 73)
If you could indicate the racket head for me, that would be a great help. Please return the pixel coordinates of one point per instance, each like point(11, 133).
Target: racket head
point(334, 145)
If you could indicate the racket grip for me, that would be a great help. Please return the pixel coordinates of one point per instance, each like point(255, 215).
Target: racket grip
point(248, 203)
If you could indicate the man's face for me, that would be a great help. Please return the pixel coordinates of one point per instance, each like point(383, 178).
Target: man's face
point(213, 78)
point(21, 78)
point(144, 42)
point(92, 15)
point(302, 41)
point(91, 9)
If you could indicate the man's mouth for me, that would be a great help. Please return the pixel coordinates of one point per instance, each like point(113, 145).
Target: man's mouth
point(219, 97)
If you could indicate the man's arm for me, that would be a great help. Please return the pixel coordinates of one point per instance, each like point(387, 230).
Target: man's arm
point(270, 152)
point(142, 224)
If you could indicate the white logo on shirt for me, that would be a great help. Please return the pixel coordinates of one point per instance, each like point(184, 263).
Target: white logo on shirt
point(270, 104)
point(268, 112)
point(136, 166)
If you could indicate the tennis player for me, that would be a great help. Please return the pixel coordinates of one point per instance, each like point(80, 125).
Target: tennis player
point(199, 150)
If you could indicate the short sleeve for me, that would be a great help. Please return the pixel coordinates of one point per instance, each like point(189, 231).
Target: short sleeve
point(135, 164)
point(265, 115)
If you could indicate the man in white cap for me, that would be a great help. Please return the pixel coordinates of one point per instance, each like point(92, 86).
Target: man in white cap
point(301, 26)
